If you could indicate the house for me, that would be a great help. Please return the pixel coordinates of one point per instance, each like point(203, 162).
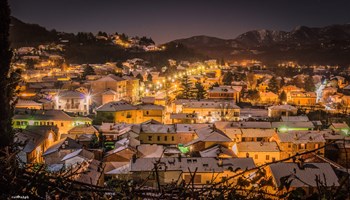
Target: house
point(123, 151)
point(278, 111)
point(208, 110)
point(217, 151)
point(179, 170)
point(293, 142)
point(260, 152)
point(73, 101)
point(36, 140)
point(89, 172)
point(183, 118)
point(307, 176)
point(268, 98)
point(132, 89)
point(28, 104)
point(164, 134)
point(225, 92)
point(344, 127)
point(59, 118)
point(56, 152)
point(207, 137)
point(302, 98)
point(121, 111)
point(77, 157)
point(109, 82)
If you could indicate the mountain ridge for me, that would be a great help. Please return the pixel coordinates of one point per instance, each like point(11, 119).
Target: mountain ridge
point(306, 45)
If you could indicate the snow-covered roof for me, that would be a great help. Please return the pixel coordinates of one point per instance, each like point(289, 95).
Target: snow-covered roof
point(257, 147)
point(209, 135)
point(303, 118)
point(216, 151)
point(301, 137)
point(306, 176)
point(191, 164)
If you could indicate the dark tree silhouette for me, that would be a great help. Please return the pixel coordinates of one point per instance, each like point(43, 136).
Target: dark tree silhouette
point(8, 78)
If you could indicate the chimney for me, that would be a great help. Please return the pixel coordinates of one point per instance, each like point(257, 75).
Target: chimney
point(301, 163)
point(134, 158)
point(220, 162)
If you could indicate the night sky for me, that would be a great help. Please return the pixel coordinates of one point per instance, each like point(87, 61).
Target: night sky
point(166, 20)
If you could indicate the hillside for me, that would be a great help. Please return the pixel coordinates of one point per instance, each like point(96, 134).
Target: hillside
point(325, 45)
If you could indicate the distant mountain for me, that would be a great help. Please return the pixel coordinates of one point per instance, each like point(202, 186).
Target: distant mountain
point(326, 45)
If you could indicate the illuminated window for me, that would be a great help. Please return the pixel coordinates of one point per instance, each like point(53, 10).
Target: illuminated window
point(267, 157)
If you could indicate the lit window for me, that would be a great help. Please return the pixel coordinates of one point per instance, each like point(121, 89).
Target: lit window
point(267, 157)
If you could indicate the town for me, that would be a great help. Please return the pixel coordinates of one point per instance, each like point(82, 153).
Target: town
point(194, 122)
point(175, 100)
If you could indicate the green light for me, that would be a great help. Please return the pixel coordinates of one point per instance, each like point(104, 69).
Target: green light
point(283, 129)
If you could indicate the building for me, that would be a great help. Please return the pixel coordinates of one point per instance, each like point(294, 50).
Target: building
point(28, 104)
point(281, 110)
point(208, 110)
point(58, 118)
point(37, 139)
point(207, 137)
point(58, 150)
point(268, 98)
point(109, 82)
point(301, 175)
point(260, 152)
point(73, 101)
point(121, 111)
point(132, 89)
point(293, 142)
point(178, 170)
point(302, 98)
point(225, 92)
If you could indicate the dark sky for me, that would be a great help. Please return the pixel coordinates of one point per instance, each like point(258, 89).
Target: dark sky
point(165, 20)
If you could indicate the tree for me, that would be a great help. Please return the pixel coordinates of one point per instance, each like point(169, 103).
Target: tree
point(186, 88)
point(283, 96)
point(139, 76)
point(228, 78)
point(251, 80)
point(149, 77)
point(8, 79)
point(199, 91)
point(253, 95)
point(273, 85)
point(309, 84)
point(88, 70)
point(216, 84)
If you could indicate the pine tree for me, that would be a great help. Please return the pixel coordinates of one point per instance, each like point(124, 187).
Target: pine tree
point(273, 85)
point(139, 76)
point(149, 77)
point(309, 84)
point(8, 78)
point(283, 96)
point(228, 78)
point(200, 91)
point(186, 88)
point(88, 70)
